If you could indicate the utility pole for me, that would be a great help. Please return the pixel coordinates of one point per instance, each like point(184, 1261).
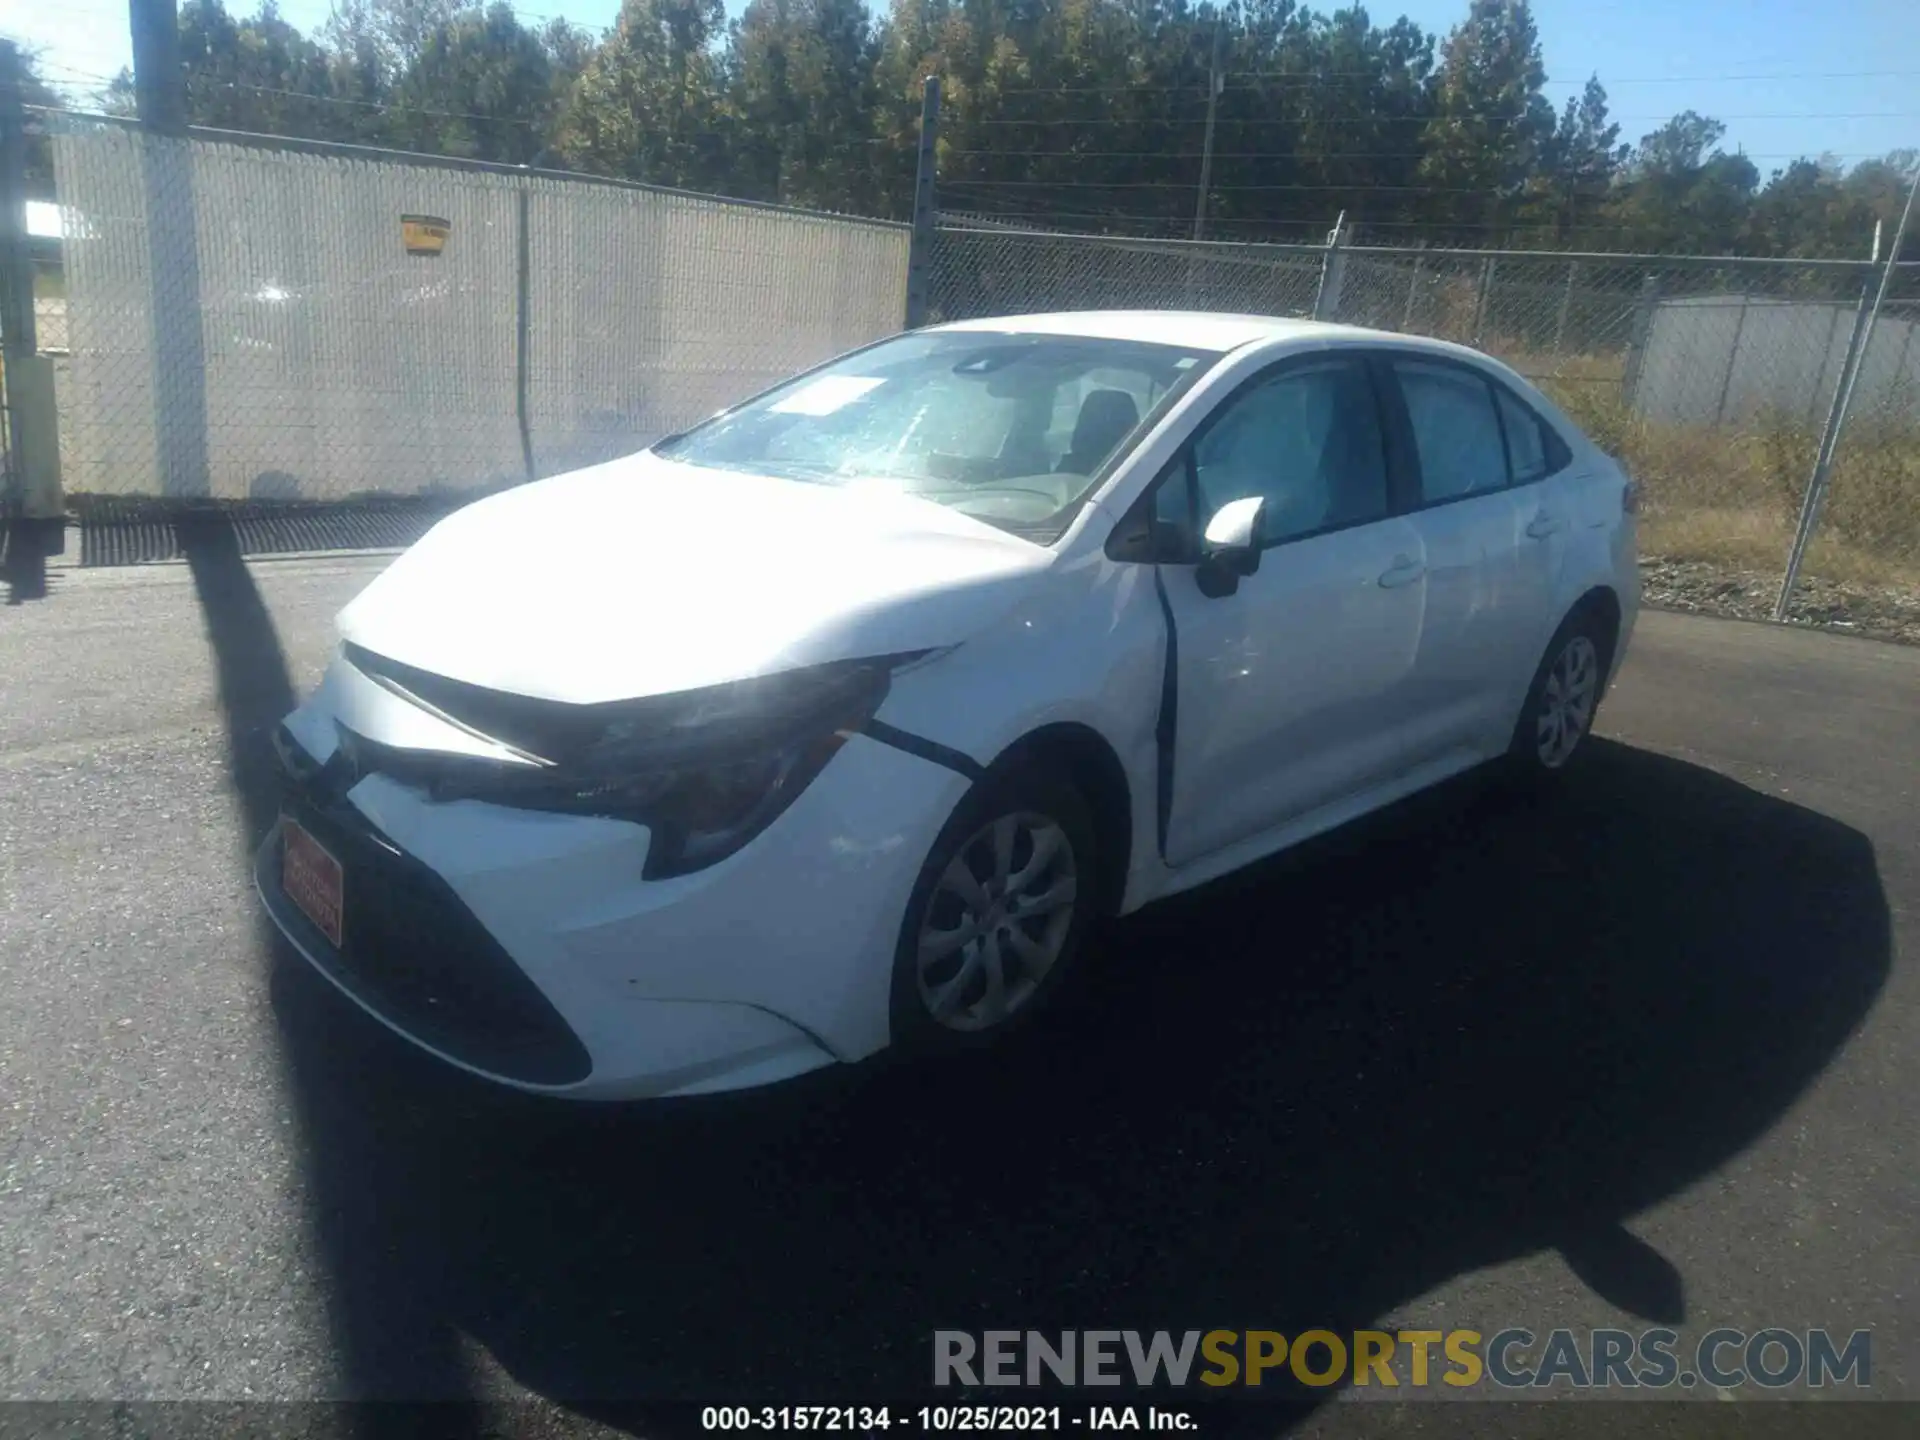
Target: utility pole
point(176, 339)
point(26, 376)
point(926, 207)
point(16, 259)
point(159, 82)
point(1215, 83)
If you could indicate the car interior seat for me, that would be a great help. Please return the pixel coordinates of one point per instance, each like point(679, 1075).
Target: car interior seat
point(1106, 418)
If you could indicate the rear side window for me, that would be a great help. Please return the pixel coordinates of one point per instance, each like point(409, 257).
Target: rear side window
point(1456, 431)
point(1532, 446)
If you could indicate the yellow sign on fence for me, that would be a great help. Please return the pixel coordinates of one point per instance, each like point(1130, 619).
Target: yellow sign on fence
point(424, 234)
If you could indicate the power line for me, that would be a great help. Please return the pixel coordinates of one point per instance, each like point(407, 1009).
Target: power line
point(1722, 79)
point(384, 106)
point(1171, 223)
point(102, 10)
point(396, 107)
point(1365, 185)
point(206, 80)
point(78, 74)
point(1328, 155)
point(1365, 223)
point(392, 107)
point(1318, 77)
point(1057, 121)
point(1317, 226)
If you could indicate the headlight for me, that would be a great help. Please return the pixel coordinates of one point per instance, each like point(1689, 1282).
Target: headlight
point(701, 811)
point(705, 771)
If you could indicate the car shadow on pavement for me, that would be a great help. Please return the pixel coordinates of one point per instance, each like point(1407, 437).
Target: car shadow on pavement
point(1470, 1029)
point(255, 694)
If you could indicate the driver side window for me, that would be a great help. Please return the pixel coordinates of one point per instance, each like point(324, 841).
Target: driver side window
point(1308, 441)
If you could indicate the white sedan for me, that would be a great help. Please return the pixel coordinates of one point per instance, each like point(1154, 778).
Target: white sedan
point(832, 723)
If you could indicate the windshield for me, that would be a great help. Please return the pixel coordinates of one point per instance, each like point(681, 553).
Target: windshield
point(1008, 428)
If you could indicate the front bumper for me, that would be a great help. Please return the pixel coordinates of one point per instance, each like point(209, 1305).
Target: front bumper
point(416, 958)
point(524, 947)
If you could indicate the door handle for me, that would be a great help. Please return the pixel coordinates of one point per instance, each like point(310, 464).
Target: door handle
point(1543, 525)
point(1404, 571)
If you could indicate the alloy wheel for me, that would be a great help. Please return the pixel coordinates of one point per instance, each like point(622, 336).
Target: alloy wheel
point(1567, 701)
point(996, 921)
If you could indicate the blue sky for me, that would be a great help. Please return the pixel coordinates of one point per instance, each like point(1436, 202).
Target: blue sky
point(1790, 77)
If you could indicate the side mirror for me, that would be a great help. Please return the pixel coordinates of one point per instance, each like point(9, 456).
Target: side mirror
point(1232, 547)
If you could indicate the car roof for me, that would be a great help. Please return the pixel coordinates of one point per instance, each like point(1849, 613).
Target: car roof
point(1204, 330)
point(1189, 329)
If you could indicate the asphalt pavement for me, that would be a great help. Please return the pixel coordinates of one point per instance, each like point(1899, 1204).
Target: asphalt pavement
point(1642, 1051)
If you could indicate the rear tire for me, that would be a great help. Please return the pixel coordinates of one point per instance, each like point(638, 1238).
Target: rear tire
point(1563, 699)
point(998, 914)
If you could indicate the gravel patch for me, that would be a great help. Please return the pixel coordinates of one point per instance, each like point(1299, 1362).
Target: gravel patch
point(1883, 612)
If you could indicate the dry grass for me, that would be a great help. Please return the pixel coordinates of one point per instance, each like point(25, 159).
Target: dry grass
point(1731, 496)
point(1753, 541)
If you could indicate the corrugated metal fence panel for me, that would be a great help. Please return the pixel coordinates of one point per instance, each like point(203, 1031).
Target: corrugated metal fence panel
point(1889, 385)
point(1715, 360)
point(1690, 344)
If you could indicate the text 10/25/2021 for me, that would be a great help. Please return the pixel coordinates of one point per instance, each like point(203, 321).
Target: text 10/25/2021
point(945, 1419)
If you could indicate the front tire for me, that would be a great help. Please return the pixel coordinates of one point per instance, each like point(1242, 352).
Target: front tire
point(1562, 701)
point(998, 913)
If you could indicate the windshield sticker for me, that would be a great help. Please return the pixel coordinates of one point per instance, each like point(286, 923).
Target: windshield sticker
point(827, 394)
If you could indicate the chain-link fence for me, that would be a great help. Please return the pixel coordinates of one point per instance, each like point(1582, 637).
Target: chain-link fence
point(266, 321)
point(8, 481)
point(1862, 565)
point(980, 270)
point(289, 321)
point(1711, 378)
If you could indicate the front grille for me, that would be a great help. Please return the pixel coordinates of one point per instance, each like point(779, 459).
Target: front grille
point(413, 952)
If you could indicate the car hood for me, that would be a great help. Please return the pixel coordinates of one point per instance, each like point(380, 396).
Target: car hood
point(643, 577)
